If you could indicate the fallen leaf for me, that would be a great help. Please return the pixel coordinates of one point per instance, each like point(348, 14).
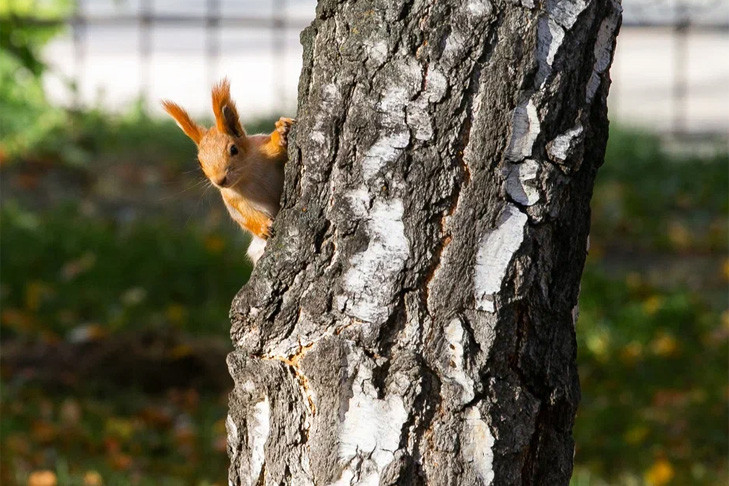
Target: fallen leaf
point(92, 478)
point(660, 473)
point(42, 478)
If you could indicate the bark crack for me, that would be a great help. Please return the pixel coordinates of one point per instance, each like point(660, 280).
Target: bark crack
point(293, 362)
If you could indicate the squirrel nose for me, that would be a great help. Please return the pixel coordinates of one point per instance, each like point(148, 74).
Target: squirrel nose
point(223, 181)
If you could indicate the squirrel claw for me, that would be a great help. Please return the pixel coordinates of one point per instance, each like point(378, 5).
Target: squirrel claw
point(283, 126)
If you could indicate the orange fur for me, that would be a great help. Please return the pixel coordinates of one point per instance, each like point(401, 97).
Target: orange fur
point(252, 220)
point(191, 129)
point(276, 146)
point(221, 98)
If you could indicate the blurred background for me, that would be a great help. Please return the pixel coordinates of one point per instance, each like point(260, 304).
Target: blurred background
point(118, 262)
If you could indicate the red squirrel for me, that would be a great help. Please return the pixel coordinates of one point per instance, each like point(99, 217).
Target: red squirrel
point(248, 170)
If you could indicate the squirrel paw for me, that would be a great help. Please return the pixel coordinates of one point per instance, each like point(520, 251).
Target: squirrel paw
point(283, 126)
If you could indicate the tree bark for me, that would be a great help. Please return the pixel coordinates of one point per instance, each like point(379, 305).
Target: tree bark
point(412, 320)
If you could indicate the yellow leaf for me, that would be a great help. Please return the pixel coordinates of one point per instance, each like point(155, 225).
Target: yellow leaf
point(632, 352)
point(660, 473)
point(664, 345)
point(652, 304)
point(120, 427)
point(42, 478)
point(599, 343)
point(92, 478)
point(679, 235)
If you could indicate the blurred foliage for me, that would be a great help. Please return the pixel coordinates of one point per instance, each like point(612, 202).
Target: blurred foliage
point(64, 271)
point(654, 384)
point(657, 201)
point(25, 27)
point(177, 437)
point(654, 326)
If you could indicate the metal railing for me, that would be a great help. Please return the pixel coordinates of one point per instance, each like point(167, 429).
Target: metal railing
point(278, 23)
point(681, 17)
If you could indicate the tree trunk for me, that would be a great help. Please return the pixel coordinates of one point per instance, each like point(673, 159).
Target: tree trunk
point(412, 320)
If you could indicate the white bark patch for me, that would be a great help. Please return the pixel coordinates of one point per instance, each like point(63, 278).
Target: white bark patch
point(318, 137)
point(521, 182)
point(479, 8)
point(455, 370)
point(565, 12)
point(562, 145)
point(389, 147)
point(393, 103)
point(495, 251)
point(330, 97)
point(477, 445)
point(418, 119)
point(454, 50)
point(370, 432)
point(603, 51)
point(550, 36)
point(384, 152)
point(551, 29)
point(436, 85)
point(370, 280)
point(232, 436)
point(258, 431)
point(524, 131)
point(359, 201)
point(575, 314)
point(376, 51)
point(330, 92)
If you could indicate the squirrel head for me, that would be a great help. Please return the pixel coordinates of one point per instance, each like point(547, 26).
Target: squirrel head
point(223, 149)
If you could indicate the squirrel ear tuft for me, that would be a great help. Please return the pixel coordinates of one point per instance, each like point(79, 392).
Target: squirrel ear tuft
point(226, 115)
point(232, 123)
point(191, 129)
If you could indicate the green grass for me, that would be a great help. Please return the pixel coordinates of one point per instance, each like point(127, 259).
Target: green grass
point(652, 367)
point(63, 269)
point(650, 200)
point(653, 327)
point(173, 438)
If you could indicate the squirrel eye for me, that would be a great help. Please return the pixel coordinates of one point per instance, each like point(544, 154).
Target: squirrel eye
point(233, 150)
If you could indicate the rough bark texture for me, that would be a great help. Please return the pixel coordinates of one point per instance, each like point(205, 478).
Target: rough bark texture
point(412, 321)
